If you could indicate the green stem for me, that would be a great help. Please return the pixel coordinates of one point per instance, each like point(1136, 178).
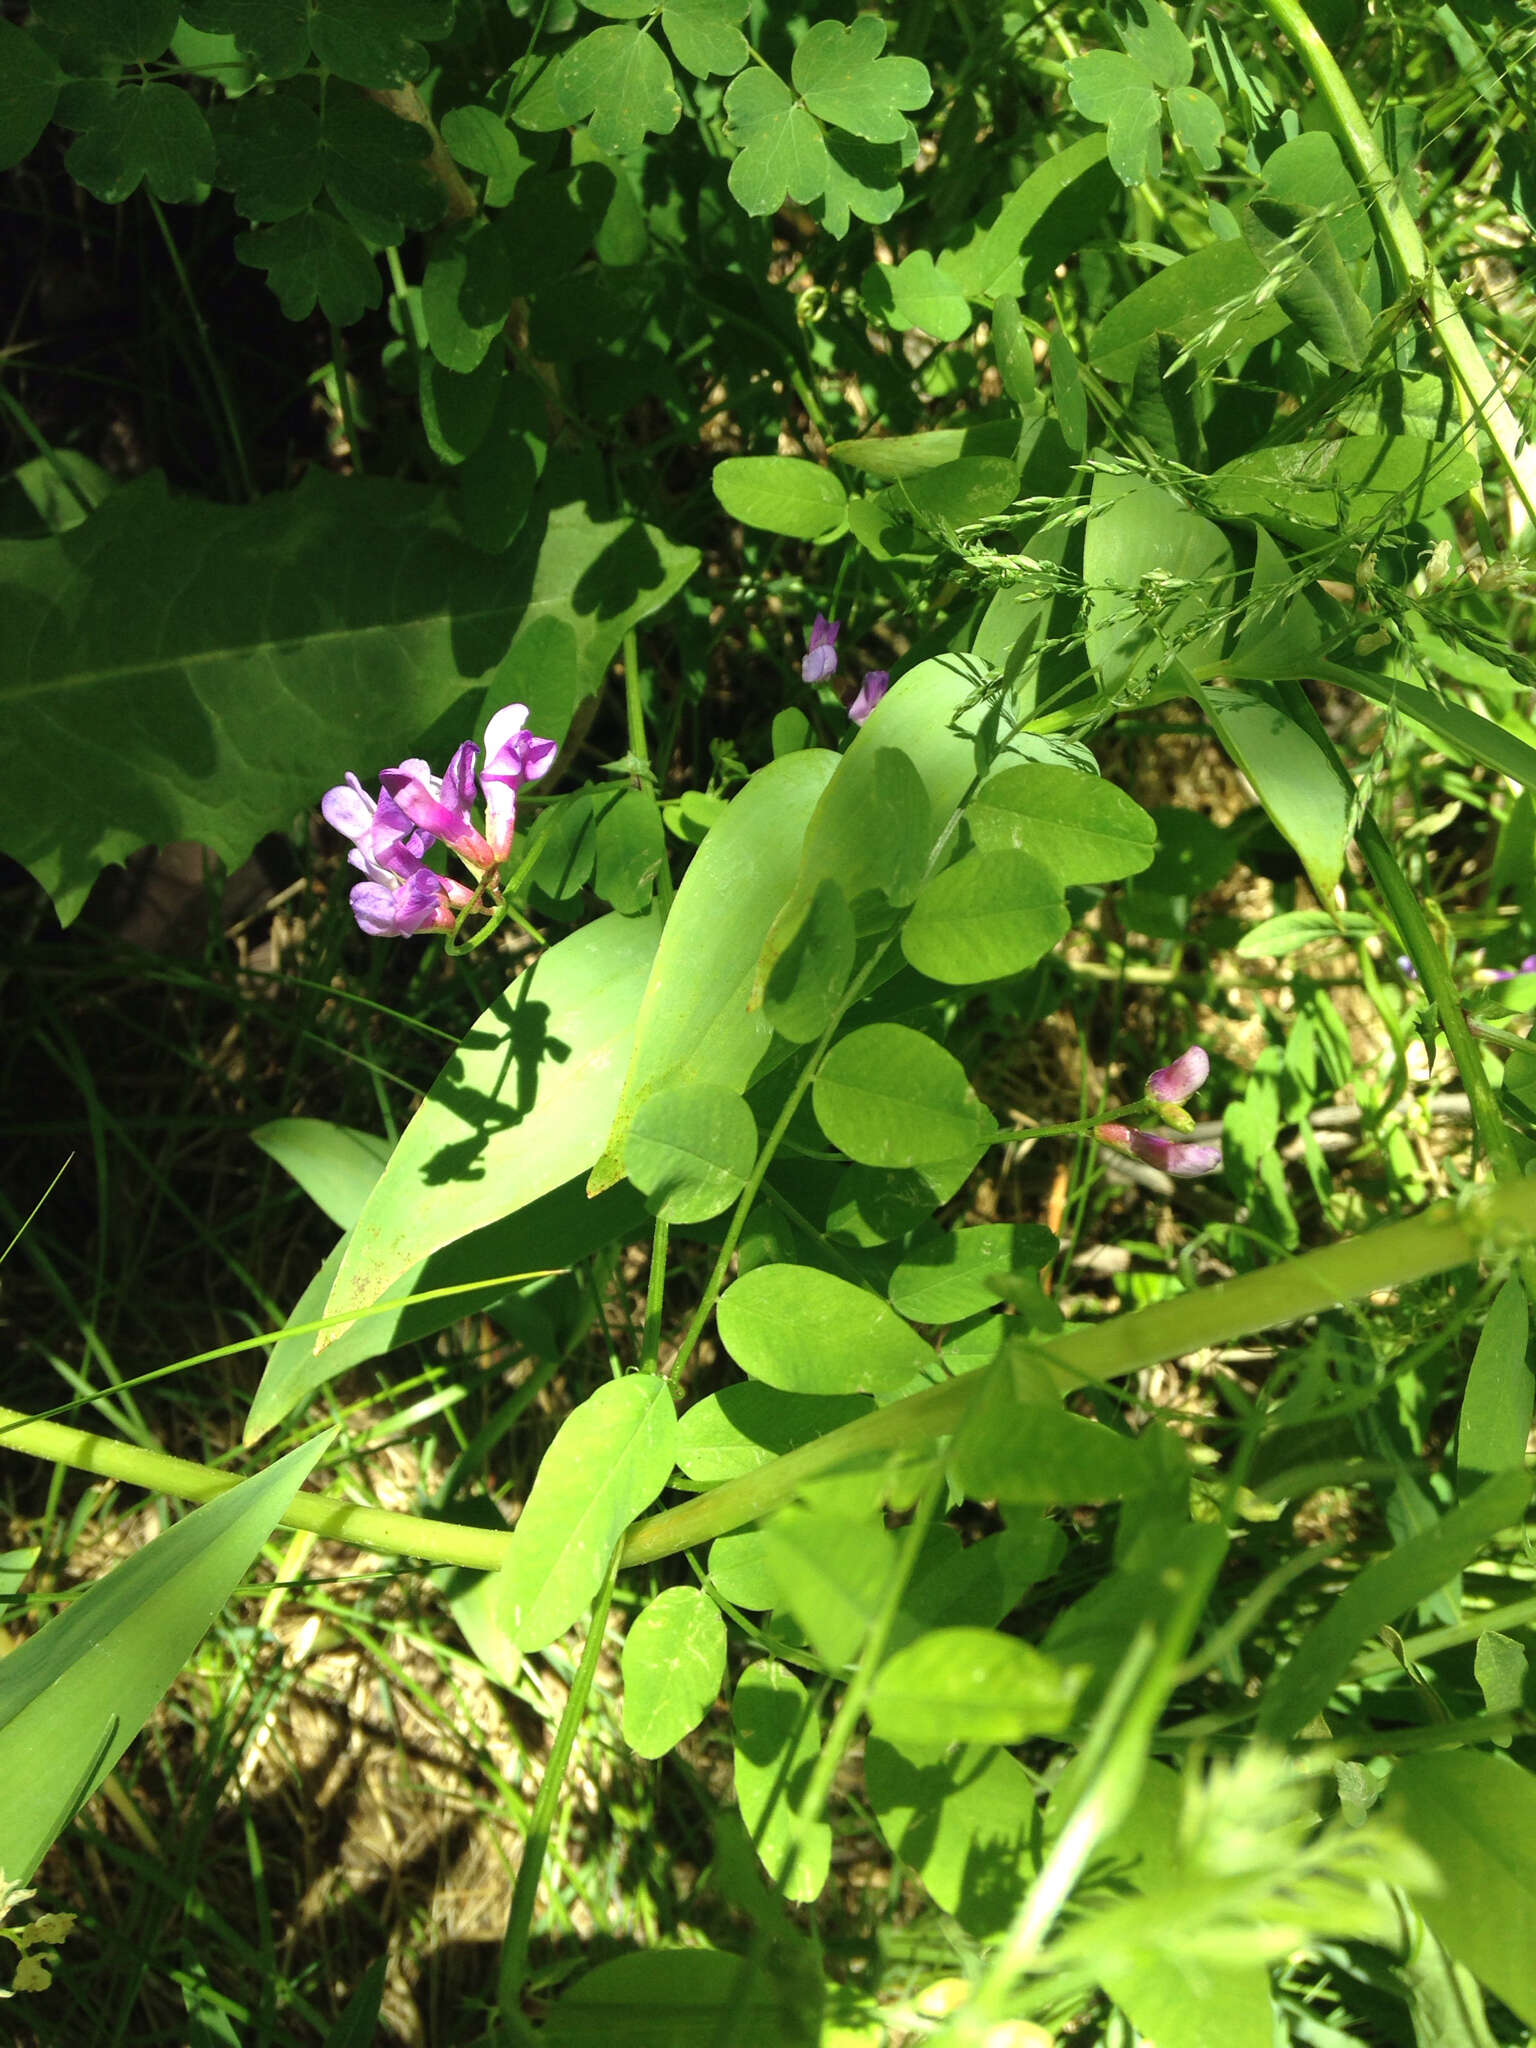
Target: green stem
point(514, 1949)
point(46, 450)
point(1415, 270)
point(655, 1290)
point(344, 400)
point(205, 343)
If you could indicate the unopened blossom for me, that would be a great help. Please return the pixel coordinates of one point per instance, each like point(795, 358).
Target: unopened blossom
point(1171, 1087)
point(874, 687)
point(441, 805)
point(513, 756)
point(821, 654)
point(1527, 966)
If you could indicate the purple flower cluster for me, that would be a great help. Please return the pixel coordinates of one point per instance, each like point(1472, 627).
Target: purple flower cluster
point(393, 833)
point(1170, 1088)
point(820, 663)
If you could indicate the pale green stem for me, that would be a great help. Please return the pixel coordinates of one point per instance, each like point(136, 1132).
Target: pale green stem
point(1418, 274)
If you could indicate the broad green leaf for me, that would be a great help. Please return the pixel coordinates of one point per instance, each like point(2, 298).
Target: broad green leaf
point(811, 969)
point(1362, 480)
point(467, 293)
point(916, 293)
point(478, 140)
point(690, 1150)
point(521, 1107)
point(1152, 1575)
point(622, 237)
point(1496, 1408)
point(704, 37)
point(842, 78)
point(778, 1740)
point(700, 1995)
point(29, 87)
point(334, 1165)
point(811, 1332)
point(831, 1572)
point(274, 34)
point(1081, 828)
point(74, 1695)
point(781, 494)
point(890, 1096)
point(1278, 937)
point(967, 1820)
point(1296, 249)
point(1149, 33)
point(1159, 578)
point(314, 259)
point(873, 1204)
point(269, 154)
point(909, 455)
point(131, 29)
point(780, 152)
point(1061, 205)
point(863, 179)
point(457, 408)
point(694, 1022)
point(1475, 1816)
point(1208, 302)
point(375, 168)
point(629, 848)
point(673, 1662)
point(377, 43)
point(1502, 1671)
point(1296, 783)
point(1017, 1444)
point(51, 500)
point(944, 1279)
point(1197, 122)
point(1310, 171)
point(975, 1585)
point(499, 477)
point(989, 916)
point(962, 493)
point(153, 134)
point(1119, 92)
point(1383, 1593)
point(1013, 346)
point(558, 1229)
point(748, 1425)
point(621, 77)
point(738, 1570)
point(609, 1460)
point(1067, 393)
point(225, 709)
point(970, 1685)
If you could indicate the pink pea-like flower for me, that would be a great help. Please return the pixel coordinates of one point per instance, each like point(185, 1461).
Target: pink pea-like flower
point(441, 805)
point(1170, 1088)
point(874, 687)
point(513, 757)
point(821, 653)
point(1176, 1083)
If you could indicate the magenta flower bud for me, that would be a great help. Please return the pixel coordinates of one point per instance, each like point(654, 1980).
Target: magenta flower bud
point(1191, 1070)
point(821, 654)
point(513, 756)
point(442, 806)
point(1112, 1134)
point(1175, 1155)
point(874, 687)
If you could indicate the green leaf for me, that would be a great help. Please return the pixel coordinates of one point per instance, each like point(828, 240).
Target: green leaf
point(1496, 1408)
point(810, 1332)
point(1017, 1444)
point(1502, 1671)
point(966, 1820)
point(481, 142)
point(629, 850)
point(620, 76)
point(811, 968)
point(694, 1024)
point(1362, 480)
point(1475, 1816)
point(1081, 828)
point(703, 1995)
point(1383, 1593)
point(842, 78)
point(780, 150)
point(987, 917)
point(911, 455)
point(1120, 93)
point(863, 180)
point(1159, 579)
point(1297, 251)
point(944, 1279)
point(315, 259)
point(1310, 171)
point(609, 1460)
point(377, 43)
point(690, 1151)
point(1278, 937)
point(917, 293)
point(1208, 302)
point(519, 1109)
point(1014, 347)
point(457, 408)
point(269, 154)
point(738, 1571)
point(501, 474)
point(467, 293)
point(970, 1685)
point(748, 1425)
point(704, 37)
point(376, 168)
point(831, 1572)
point(274, 34)
point(781, 494)
point(778, 1740)
point(889, 1096)
point(1061, 205)
point(1296, 783)
point(1150, 34)
point(1067, 391)
point(336, 1167)
point(152, 134)
point(74, 1695)
point(962, 493)
point(29, 88)
point(673, 1662)
point(134, 30)
point(1198, 123)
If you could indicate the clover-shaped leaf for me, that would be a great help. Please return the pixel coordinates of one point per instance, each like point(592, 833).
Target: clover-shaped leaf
point(916, 293)
point(1119, 92)
point(29, 89)
point(377, 43)
point(274, 34)
point(152, 134)
point(1149, 33)
point(780, 144)
point(131, 29)
point(704, 37)
point(620, 76)
point(842, 78)
point(314, 258)
point(269, 154)
point(863, 180)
